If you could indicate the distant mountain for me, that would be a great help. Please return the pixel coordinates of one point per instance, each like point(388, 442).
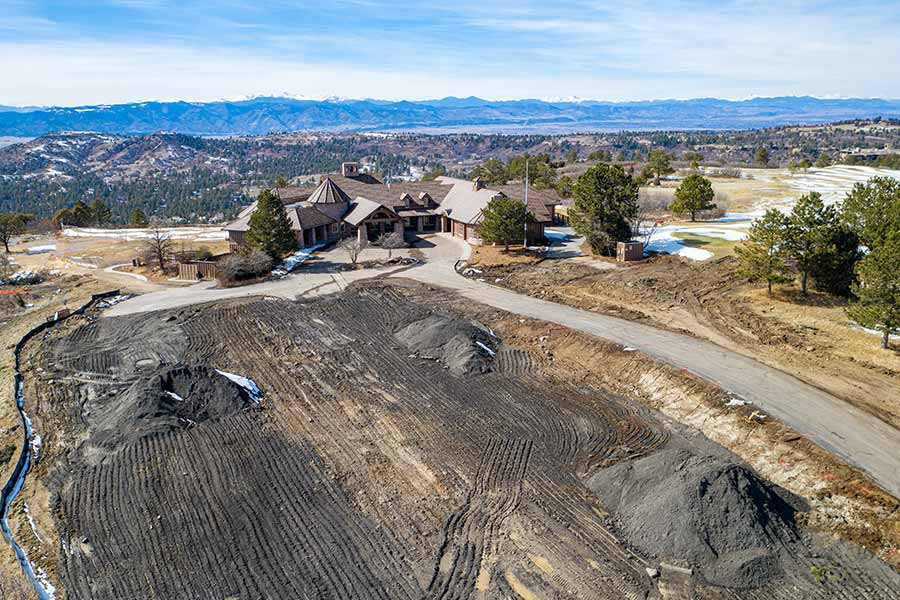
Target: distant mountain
point(260, 116)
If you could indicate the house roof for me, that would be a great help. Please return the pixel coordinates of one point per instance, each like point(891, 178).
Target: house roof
point(242, 223)
point(328, 192)
point(361, 209)
point(456, 198)
point(293, 194)
point(390, 194)
point(308, 216)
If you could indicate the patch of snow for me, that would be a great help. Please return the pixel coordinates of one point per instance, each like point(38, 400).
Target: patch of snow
point(113, 300)
point(732, 402)
point(629, 349)
point(41, 249)
point(23, 277)
point(664, 242)
point(894, 337)
point(37, 442)
point(44, 581)
point(32, 523)
point(245, 382)
point(175, 396)
point(485, 348)
point(296, 259)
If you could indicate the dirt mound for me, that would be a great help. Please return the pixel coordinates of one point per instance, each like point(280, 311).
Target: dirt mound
point(461, 346)
point(710, 511)
point(174, 398)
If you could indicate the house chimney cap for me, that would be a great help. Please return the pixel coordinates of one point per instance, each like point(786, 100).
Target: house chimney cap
point(478, 184)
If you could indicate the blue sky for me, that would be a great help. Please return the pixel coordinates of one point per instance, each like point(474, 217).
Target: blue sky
point(107, 51)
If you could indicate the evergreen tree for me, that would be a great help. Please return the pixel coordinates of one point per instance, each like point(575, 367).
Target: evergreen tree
point(807, 230)
point(762, 157)
point(605, 204)
point(491, 172)
point(695, 194)
point(878, 290)
point(281, 182)
point(102, 214)
point(61, 218)
point(658, 164)
point(762, 254)
point(82, 215)
point(834, 272)
point(270, 229)
point(503, 222)
point(138, 219)
point(872, 210)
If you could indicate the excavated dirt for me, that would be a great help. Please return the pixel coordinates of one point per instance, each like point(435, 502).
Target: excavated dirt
point(809, 337)
point(462, 347)
point(712, 511)
point(371, 469)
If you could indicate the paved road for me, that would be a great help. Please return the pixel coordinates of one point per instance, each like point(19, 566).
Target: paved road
point(854, 435)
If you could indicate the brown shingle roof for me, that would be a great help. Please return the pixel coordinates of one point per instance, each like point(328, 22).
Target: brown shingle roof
point(328, 192)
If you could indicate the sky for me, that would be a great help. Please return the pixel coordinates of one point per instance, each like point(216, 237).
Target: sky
point(111, 51)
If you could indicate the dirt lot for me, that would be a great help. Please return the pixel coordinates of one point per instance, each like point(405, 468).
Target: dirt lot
point(22, 308)
point(810, 337)
point(402, 449)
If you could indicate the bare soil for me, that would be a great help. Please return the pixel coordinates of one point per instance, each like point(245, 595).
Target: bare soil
point(807, 336)
point(371, 468)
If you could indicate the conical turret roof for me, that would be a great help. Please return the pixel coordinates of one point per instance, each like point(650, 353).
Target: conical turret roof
point(328, 192)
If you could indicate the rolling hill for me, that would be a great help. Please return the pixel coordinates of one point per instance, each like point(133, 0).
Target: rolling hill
point(265, 115)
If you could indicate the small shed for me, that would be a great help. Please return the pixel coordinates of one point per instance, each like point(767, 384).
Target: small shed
point(629, 251)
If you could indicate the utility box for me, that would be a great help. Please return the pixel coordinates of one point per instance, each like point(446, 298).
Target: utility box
point(629, 251)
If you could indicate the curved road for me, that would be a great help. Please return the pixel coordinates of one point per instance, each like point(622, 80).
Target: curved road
point(854, 435)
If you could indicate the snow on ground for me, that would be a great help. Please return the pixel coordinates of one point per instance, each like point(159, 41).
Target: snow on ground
point(174, 233)
point(40, 249)
point(245, 382)
point(663, 241)
point(834, 183)
point(296, 259)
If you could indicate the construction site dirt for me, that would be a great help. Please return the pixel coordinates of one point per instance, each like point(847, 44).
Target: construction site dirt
point(389, 442)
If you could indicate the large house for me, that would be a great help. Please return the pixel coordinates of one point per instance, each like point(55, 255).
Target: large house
point(355, 203)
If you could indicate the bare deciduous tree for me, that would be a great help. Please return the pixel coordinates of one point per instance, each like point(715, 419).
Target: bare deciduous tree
point(353, 247)
point(159, 247)
point(392, 241)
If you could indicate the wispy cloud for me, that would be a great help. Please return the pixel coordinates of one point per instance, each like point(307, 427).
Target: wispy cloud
point(139, 49)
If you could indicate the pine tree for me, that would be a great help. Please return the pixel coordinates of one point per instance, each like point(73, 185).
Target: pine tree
point(878, 291)
point(762, 254)
point(270, 229)
point(101, 212)
point(503, 222)
point(693, 195)
point(658, 164)
point(762, 157)
point(807, 230)
point(82, 215)
point(138, 219)
point(605, 204)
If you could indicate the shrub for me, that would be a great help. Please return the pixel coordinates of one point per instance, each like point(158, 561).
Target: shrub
point(239, 268)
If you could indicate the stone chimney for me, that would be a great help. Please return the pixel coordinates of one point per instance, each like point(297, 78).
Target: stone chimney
point(478, 184)
point(349, 169)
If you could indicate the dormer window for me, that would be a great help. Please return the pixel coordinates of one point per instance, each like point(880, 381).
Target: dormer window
point(407, 200)
point(426, 200)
